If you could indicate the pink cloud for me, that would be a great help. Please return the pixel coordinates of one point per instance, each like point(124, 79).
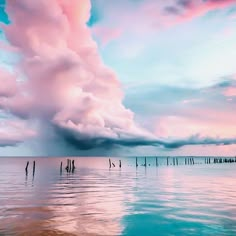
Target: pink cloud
point(230, 92)
point(199, 8)
point(106, 34)
point(67, 83)
point(7, 84)
point(184, 12)
point(142, 17)
point(201, 121)
point(13, 132)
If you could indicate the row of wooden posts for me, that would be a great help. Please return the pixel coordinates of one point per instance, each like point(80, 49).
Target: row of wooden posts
point(26, 168)
point(175, 161)
point(69, 168)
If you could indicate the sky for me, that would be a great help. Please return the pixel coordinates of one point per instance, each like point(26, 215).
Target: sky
point(108, 77)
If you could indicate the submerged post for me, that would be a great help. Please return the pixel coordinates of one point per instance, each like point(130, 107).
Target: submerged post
point(61, 167)
point(120, 163)
point(136, 162)
point(109, 163)
point(73, 165)
point(156, 161)
point(26, 168)
point(33, 167)
point(177, 162)
point(67, 167)
point(167, 160)
point(145, 163)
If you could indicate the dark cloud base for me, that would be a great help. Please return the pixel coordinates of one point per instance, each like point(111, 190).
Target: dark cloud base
point(81, 142)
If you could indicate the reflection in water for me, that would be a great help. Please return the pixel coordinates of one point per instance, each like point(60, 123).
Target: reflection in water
point(96, 200)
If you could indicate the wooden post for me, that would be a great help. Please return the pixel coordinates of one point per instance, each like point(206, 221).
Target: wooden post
point(33, 167)
point(67, 167)
point(193, 161)
point(109, 163)
point(156, 161)
point(177, 162)
point(145, 163)
point(167, 160)
point(61, 167)
point(173, 161)
point(120, 163)
point(26, 168)
point(185, 161)
point(73, 165)
point(136, 162)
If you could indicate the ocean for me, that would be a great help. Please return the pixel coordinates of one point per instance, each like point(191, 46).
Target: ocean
point(156, 199)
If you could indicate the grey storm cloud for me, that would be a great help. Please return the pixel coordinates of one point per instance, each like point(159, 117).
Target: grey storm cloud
point(9, 142)
point(87, 143)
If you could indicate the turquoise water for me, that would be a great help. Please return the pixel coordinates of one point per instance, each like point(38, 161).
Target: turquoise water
point(181, 200)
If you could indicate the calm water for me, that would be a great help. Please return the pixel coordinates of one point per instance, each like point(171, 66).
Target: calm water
point(173, 200)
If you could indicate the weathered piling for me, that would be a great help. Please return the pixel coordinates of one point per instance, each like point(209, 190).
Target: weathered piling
point(177, 162)
point(185, 161)
point(167, 160)
point(109, 163)
point(33, 167)
point(26, 168)
point(113, 164)
point(193, 160)
point(120, 163)
point(156, 161)
point(173, 161)
point(61, 167)
point(73, 165)
point(67, 167)
point(136, 162)
point(145, 162)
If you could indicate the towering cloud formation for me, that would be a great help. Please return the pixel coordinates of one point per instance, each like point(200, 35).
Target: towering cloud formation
point(66, 83)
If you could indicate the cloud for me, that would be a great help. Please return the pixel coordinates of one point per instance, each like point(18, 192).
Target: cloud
point(8, 84)
point(172, 10)
point(230, 92)
point(87, 143)
point(14, 132)
point(67, 85)
point(141, 18)
point(106, 34)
